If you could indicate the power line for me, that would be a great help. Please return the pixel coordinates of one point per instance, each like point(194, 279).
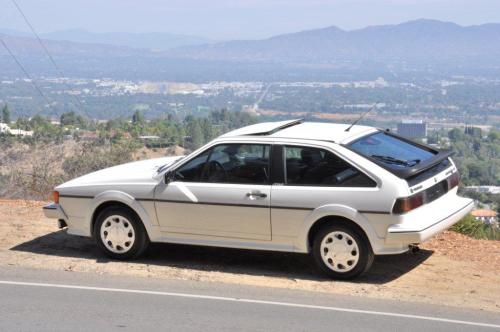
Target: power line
point(51, 58)
point(19, 64)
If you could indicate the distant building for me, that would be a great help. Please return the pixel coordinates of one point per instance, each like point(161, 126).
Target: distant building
point(484, 189)
point(412, 128)
point(149, 137)
point(5, 129)
point(489, 217)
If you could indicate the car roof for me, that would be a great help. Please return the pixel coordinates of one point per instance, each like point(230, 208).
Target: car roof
point(297, 129)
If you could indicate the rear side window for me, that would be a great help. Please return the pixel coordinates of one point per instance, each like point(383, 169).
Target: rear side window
point(391, 151)
point(308, 166)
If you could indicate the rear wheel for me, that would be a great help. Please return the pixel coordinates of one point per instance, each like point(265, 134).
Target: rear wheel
point(342, 251)
point(120, 234)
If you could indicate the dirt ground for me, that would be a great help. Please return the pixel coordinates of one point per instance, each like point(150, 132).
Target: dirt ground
point(451, 269)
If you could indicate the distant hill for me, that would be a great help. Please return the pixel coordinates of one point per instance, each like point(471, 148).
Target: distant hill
point(150, 40)
point(419, 40)
point(28, 46)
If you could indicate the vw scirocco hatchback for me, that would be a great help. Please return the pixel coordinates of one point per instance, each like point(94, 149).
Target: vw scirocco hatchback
point(342, 193)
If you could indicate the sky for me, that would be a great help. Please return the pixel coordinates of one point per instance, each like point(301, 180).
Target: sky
point(237, 19)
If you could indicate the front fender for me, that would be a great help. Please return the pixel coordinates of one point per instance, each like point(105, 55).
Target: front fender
point(119, 196)
point(332, 210)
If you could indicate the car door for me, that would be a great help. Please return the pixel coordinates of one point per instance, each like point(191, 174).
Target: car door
point(310, 177)
point(223, 192)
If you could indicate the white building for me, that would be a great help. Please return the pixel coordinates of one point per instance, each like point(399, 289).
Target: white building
point(484, 189)
point(5, 129)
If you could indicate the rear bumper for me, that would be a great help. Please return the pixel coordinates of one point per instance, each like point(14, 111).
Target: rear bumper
point(406, 233)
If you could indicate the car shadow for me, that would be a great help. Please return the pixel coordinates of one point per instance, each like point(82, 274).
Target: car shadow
point(248, 262)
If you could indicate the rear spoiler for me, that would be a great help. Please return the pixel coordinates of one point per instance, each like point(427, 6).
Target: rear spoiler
point(419, 168)
point(409, 172)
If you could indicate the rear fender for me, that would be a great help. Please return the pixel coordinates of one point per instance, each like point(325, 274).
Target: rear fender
point(334, 210)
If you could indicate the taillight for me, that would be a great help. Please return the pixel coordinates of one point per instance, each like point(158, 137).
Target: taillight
point(453, 180)
point(55, 197)
point(406, 204)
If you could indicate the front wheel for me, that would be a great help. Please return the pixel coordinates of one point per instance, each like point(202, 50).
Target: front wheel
point(120, 234)
point(342, 251)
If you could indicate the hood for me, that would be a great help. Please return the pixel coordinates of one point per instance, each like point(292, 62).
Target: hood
point(135, 172)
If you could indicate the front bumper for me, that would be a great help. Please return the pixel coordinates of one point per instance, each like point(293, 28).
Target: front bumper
point(414, 231)
point(55, 211)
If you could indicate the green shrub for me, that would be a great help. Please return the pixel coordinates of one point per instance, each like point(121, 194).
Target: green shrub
point(476, 229)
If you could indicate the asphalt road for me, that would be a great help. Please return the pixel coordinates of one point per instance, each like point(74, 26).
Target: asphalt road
point(34, 300)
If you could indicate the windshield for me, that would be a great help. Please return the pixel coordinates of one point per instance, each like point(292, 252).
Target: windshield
point(390, 150)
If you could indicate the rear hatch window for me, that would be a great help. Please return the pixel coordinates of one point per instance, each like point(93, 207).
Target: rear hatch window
point(404, 158)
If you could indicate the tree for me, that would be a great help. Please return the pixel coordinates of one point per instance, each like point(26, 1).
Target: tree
point(137, 117)
point(72, 119)
point(6, 114)
point(494, 135)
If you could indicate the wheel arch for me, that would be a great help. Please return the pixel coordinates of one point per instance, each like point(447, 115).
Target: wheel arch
point(335, 220)
point(123, 200)
point(335, 214)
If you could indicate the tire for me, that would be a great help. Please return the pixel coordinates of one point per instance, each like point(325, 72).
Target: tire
point(120, 234)
point(342, 252)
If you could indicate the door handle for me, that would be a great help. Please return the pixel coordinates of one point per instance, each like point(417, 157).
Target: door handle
point(256, 194)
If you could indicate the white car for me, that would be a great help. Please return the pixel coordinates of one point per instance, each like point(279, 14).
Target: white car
point(342, 193)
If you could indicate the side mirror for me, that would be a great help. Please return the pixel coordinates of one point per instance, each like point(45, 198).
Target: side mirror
point(169, 176)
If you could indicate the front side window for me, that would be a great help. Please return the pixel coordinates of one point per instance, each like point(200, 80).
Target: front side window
point(238, 163)
point(229, 163)
point(391, 151)
point(192, 171)
point(309, 166)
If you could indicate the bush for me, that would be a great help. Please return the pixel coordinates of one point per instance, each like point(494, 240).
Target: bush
point(93, 157)
point(476, 229)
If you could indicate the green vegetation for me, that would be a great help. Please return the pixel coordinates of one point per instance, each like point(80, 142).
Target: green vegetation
point(476, 229)
point(476, 155)
point(5, 116)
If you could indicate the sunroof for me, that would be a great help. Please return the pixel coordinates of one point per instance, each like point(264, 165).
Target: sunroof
point(287, 124)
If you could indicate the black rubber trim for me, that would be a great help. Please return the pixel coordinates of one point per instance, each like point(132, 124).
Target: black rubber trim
point(292, 208)
point(76, 196)
point(50, 207)
point(440, 221)
point(223, 204)
point(204, 203)
point(374, 212)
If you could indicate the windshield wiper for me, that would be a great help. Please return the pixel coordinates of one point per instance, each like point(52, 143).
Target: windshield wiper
point(395, 161)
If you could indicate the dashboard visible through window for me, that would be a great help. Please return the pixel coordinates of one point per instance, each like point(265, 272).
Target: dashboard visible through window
point(229, 163)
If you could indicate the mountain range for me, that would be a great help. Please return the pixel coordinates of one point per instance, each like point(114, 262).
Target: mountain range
point(418, 44)
point(420, 40)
